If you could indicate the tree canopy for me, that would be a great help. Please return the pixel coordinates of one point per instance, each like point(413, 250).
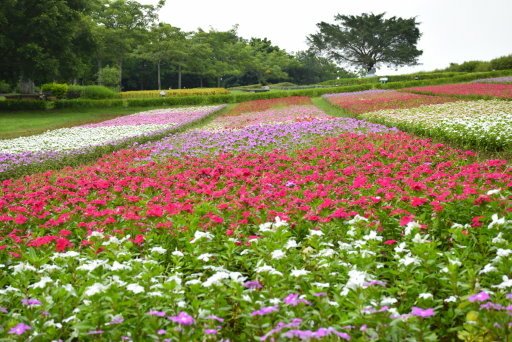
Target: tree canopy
point(369, 40)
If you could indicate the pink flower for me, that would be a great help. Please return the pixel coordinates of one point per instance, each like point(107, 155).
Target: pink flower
point(182, 318)
point(479, 297)
point(19, 329)
point(419, 312)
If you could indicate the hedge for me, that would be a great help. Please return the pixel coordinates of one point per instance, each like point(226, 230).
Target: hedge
point(196, 100)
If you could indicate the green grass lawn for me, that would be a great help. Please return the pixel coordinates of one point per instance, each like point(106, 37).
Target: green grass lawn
point(24, 123)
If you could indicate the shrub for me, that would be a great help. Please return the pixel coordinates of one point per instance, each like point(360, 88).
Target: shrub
point(14, 105)
point(109, 76)
point(172, 93)
point(98, 92)
point(86, 103)
point(502, 63)
point(4, 87)
point(58, 90)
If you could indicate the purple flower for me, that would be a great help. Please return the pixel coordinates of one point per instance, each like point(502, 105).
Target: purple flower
point(509, 296)
point(265, 311)
point(211, 331)
point(320, 294)
point(375, 282)
point(19, 329)
point(3, 310)
point(182, 318)
point(294, 300)
point(320, 333)
point(156, 313)
point(30, 302)
point(419, 312)
point(95, 332)
point(216, 318)
point(161, 332)
point(491, 306)
point(479, 297)
point(253, 285)
point(116, 320)
point(290, 184)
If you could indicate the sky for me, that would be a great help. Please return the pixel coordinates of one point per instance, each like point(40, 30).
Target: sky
point(452, 30)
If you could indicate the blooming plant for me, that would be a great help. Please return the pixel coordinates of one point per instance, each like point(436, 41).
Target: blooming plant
point(373, 100)
point(468, 89)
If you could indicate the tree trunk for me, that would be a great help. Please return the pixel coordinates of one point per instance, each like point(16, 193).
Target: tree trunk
point(120, 74)
point(26, 86)
point(159, 79)
point(179, 76)
point(100, 81)
point(201, 82)
point(218, 82)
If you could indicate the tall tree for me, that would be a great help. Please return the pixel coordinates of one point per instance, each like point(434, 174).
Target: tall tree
point(369, 40)
point(42, 40)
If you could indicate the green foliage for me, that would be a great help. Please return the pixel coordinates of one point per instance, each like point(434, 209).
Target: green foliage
point(369, 40)
point(502, 63)
point(109, 76)
point(17, 105)
point(98, 92)
point(470, 66)
point(4, 87)
point(59, 90)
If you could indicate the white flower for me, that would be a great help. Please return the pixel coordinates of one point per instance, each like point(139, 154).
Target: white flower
point(373, 236)
point(505, 284)
point(487, 269)
point(97, 234)
point(410, 227)
point(158, 250)
point(68, 254)
point(69, 288)
point(22, 267)
point(409, 260)
point(401, 248)
point(205, 257)
point(116, 266)
point(52, 323)
point(356, 279)
point(503, 252)
point(201, 235)
point(95, 289)
point(493, 192)
point(357, 219)
point(8, 289)
point(267, 269)
point(177, 253)
point(499, 239)
point(313, 232)
point(425, 296)
point(69, 319)
point(278, 254)
point(299, 273)
point(327, 252)
point(41, 284)
point(193, 282)
point(47, 268)
point(92, 265)
point(271, 226)
point(321, 285)
point(496, 221)
point(451, 299)
point(455, 262)
point(135, 288)
point(385, 301)
point(280, 223)
point(419, 239)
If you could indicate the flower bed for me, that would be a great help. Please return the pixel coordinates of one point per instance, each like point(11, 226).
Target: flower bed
point(468, 89)
point(480, 124)
point(357, 237)
point(55, 144)
point(372, 100)
point(263, 105)
point(504, 79)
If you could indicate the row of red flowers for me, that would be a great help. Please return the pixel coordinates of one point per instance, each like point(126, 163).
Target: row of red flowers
point(479, 89)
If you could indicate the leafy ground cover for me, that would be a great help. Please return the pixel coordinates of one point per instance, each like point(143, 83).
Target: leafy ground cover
point(378, 99)
point(495, 90)
point(77, 140)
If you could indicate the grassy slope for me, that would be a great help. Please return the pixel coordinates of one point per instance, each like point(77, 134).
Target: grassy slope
point(18, 124)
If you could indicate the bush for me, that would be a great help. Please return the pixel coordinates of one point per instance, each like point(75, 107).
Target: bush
point(502, 63)
point(86, 103)
point(14, 105)
point(4, 87)
point(109, 76)
point(98, 92)
point(59, 90)
point(470, 66)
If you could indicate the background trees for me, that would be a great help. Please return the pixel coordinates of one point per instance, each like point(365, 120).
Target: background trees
point(369, 40)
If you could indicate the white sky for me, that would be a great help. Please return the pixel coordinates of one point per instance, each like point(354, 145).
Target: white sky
point(453, 30)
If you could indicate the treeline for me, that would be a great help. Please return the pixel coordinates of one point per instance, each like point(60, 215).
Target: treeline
point(500, 63)
point(122, 44)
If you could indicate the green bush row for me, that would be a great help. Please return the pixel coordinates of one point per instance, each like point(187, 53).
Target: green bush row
point(62, 90)
point(240, 97)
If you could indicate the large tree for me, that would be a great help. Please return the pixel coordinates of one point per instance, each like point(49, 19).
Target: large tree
point(369, 40)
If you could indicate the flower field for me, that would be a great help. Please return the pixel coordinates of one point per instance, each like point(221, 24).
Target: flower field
point(263, 105)
point(373, 100)
point(480, 124)
point(274, 224)
point(78, 140)
point(141, 94)
point(504, 79)
point(468, 89)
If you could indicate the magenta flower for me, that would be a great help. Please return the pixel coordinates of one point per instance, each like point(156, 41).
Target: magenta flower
point(161, 332)
point(253, 285)
point(182, 318)
point(30, 302)
point(210, 331)
point(294, 300)
point(156, 313)
point(19, 329)
point(3, 310)
point(265, 311)
point(419, 312)
point(95, 332)
point(479, 297)
point(216, 318)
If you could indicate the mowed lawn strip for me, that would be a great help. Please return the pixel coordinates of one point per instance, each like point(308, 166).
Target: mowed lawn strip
point(20, 124)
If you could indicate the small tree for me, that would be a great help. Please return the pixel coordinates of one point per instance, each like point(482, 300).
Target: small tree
point(369, 40)
point(109, 76)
